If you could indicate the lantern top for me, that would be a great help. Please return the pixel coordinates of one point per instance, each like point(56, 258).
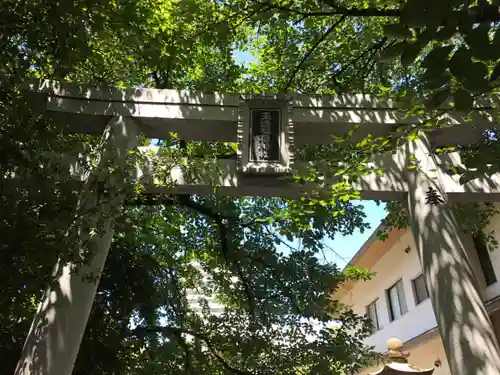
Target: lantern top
point(395, 350)
point(397, 361)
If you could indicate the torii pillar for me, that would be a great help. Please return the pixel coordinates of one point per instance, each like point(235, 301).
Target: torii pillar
point(53, 341)
point(468, 336)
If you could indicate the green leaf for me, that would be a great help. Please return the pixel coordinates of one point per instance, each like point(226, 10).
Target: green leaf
point(433, 73)
point(413, 13)
point(495, 74)
point(446, 32)
point(478, 70)
point(464, 26)
point(437, 57)
point(436, 12)
point(460, 63)
point(393, 52)
point(457, 3)
point(363, 142)
point(439, 81)
point(397, 30)
point(476, 81)
point(476, 86)
point(437, 98)
point(494, 49)
point(478, 41)
point(410, 53)
point(427, 35)
point(496, 39)
point(463, 100)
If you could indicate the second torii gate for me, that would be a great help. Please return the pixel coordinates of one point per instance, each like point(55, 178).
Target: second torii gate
point(268, 128)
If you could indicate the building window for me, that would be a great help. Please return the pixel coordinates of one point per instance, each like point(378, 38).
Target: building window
point(420, 289)
point(396, 301)
point(484, 259)
point(371, 313)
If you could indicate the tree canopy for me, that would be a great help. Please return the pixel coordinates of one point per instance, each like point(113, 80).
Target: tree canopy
point(418, 51)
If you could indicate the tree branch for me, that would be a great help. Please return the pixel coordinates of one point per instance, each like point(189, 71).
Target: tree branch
point(374, 48)
point(147, 199)
point(489, 14)
point(276, 237)
point(312, 49)
point(220, 221)
point(187, 352)
point(174, 331)
point(224, 241)
point(337, 10)
point(287, 292)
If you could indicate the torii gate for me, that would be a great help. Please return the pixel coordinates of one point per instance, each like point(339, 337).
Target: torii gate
point(268, 128)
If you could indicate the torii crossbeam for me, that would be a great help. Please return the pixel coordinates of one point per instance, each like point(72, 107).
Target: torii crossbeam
point(268, 128)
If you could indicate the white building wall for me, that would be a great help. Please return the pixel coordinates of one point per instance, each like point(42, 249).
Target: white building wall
point(399, 264)
point(196, 296)
point(394, 265)
point(195, 299)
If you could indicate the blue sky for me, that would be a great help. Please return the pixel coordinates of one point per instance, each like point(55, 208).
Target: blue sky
point(243, 57)
point(347, 246)
point(341, 249)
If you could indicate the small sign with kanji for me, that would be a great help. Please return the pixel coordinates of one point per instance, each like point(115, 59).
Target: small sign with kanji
point(433, 197)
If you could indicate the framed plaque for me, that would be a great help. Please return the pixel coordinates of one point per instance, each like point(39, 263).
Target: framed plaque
point(265, 134)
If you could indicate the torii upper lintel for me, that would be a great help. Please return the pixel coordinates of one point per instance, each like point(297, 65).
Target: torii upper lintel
point(214, 116)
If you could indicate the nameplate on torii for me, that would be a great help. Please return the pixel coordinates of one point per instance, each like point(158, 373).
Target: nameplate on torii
point(265, 129)
point(265, 134)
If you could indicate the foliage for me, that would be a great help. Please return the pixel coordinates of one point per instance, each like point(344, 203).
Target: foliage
point(429, 55)
point(37, 205)
point(409, 51)
point(473, 218)
point(441, 47)
point(141, 321)
point(272, 294)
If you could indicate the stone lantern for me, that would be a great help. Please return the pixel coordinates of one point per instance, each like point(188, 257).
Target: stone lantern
point(397, 361)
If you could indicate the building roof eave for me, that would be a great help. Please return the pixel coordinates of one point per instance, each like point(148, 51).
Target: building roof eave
point(370, 253)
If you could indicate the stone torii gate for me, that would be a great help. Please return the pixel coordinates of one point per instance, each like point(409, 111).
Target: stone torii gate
point(268, 129)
